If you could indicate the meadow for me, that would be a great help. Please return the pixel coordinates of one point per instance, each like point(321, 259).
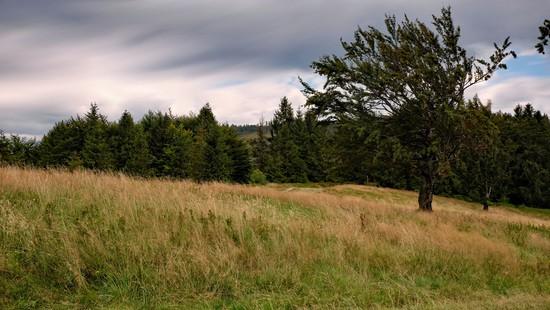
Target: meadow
point(88, 240)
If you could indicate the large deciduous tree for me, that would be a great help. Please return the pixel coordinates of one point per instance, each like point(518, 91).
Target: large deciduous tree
point(413, 78)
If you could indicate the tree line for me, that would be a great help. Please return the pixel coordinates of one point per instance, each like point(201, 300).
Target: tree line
point(504, 157)
point(159, 145)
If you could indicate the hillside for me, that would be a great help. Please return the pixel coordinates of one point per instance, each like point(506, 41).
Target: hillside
point(97, 240)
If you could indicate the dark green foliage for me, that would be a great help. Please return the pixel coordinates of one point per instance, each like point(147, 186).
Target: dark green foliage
point(544, 36)
point(17, 150)
point(129, 146)
point(176, 153)
point(96, 151)
point(529, 167)
point(258, 177)
point(210, 160)
point(159, 138)
point(260, 148)
point(4, 148)
point(161, 144)
point(239, 156)
point(63, 143)
point(286, 163)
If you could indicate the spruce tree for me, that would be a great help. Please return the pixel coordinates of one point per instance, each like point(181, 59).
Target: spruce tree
point(210, 161)
point(260, 148)
point(177, 152)
point(130, 148)
point(238, 152)
point(286, 164)
point(96, 151)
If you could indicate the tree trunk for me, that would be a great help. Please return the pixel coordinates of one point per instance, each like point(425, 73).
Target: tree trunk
point(425, 195)
point(487, 197)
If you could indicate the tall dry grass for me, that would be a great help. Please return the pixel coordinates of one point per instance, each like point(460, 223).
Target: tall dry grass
point(109, 240)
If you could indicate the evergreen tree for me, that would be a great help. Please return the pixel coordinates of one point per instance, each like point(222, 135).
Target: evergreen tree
point(483, 160)
point(286, 165)
point(96, 152)
point(130, 148)
point(260, 148)
point(313, 152)
point(63, 143)
point(238, 152)
point(156, 127)
point(177, 152)
point(4, 148)
point(210, 161)
point(22, 151)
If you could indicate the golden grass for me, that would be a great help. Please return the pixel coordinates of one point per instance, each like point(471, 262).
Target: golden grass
point(111, 240)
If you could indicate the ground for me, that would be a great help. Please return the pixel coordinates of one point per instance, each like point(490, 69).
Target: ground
point(85, 240)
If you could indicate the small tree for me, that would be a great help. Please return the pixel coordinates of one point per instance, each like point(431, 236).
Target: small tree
point(413, 79)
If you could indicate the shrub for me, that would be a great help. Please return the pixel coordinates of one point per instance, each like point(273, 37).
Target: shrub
point(258, 177)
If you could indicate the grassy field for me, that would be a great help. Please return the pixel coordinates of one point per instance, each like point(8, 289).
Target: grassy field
point(83, 240)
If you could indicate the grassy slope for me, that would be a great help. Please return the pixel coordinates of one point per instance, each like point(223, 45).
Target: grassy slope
point(112, 241)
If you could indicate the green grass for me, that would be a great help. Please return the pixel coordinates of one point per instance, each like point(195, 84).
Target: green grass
point(80, 240)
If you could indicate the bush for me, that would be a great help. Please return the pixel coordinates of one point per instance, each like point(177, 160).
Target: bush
point(258, 177)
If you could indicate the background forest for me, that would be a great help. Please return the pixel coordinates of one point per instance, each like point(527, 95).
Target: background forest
point(507, 157)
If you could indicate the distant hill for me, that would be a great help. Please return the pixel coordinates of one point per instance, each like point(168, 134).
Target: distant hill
point(248, 131)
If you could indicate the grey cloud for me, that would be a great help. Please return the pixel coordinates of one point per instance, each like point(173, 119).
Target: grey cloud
point(220, 41)
point(271, 33)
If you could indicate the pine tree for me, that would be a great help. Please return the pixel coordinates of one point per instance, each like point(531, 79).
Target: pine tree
point(210, 161)
point(260, 148)
point(96, 151)
point(63, 142)
point(130, 147)
point(286, 164)
point(177, 152)
point(156, 126)
point(239, 156)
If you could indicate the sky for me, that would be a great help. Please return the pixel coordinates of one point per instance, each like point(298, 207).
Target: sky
point(241, 56)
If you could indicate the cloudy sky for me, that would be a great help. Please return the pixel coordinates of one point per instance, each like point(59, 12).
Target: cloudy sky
point(57, 56)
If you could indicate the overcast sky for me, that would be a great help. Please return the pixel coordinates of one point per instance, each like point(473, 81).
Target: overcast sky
point(57, 56)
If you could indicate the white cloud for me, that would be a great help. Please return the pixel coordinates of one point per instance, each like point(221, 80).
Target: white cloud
point(506, 94)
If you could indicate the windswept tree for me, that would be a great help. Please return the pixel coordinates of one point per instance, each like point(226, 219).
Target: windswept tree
point(413, 78)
